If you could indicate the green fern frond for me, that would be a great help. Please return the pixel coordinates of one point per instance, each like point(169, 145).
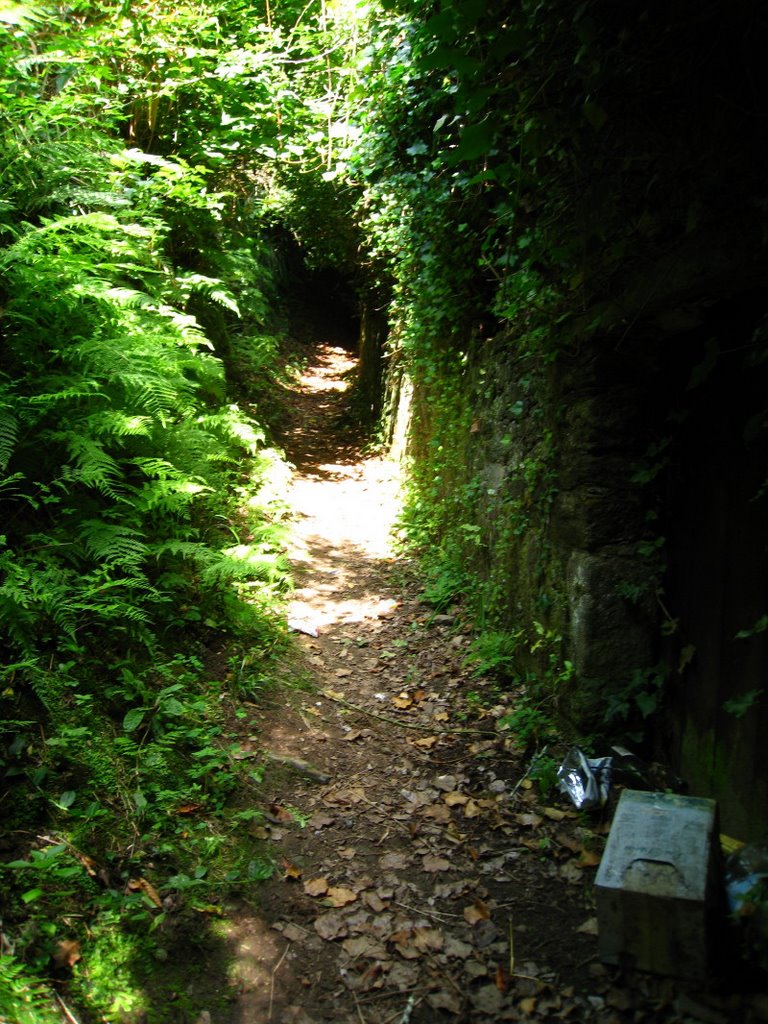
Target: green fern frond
point(92, 466)
point(115, 611)
point(130, 298)
point(113, 544)
point(11, 485)
point(153, 393)
point(58, 390)
point(245, 563)
point(88, 234)
point(193, 550)
point(114, 423)
point(83, 224)
point(140, 157)
point(23, 997)
point(41, 598)
point(56, 603)
point(105, 598)
point(168, 498)
point(168, 489)
point(30, 596)
point(16, 616)
point(234, 426)
point(187, 326)
point(211, 287)
point(160, 469)
point(88, 197)
point(137, 369)
point(206, 370)
point(9, 430)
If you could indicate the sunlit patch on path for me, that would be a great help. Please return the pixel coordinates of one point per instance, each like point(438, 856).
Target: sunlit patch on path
point(344, 507)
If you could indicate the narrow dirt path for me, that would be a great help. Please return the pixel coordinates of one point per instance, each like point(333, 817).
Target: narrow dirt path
point(424, 879)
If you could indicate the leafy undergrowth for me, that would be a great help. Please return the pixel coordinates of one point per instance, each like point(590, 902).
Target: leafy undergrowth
point(124, 837)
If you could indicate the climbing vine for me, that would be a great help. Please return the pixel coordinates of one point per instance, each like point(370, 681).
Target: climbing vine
point(537, 187)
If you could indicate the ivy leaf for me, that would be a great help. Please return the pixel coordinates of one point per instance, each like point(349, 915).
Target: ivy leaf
point(595, 114)
point(442, 26)
point(476, 141)
point(14, 14)
point(759, 627)
point(702, 370)
point(133, 719)
point(739, 706)
point(647, 703)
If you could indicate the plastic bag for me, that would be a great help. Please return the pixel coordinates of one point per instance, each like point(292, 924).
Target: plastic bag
point(586, 780)
point(746, 888)
point(746, 878)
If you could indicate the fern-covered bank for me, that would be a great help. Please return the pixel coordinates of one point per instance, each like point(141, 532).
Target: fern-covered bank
point(142, 565)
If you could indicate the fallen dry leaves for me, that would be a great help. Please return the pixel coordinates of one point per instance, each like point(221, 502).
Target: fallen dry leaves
point(440, 883)
point(338, 896)
point(316, 887)
point(419, 918)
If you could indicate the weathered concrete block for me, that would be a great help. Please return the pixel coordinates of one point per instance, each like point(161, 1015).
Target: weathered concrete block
point(658, 886)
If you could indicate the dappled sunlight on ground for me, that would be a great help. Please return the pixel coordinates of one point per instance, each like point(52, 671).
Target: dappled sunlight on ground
point(345, 506)
point(258, 965)
point(318, 400)
point(329, 372)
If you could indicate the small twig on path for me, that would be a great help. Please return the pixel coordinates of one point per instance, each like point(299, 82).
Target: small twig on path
point(275, 969)
point(451, 981)
point(446, 764)
point(408, 725)
point(534, 761)
point(587, 960)
point(408, 1010)
point(511, 947)
point(435, 914)
point(374, 997)
point(404, 1016)
point(307, 724)
point(302, 767)
point(357, 1006)
point(67, 1012)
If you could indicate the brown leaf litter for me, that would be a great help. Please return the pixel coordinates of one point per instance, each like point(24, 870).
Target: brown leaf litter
point(429, 880)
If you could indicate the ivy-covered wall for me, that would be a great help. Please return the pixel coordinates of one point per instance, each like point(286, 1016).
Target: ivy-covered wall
point(569, 203)
point(609, 516)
